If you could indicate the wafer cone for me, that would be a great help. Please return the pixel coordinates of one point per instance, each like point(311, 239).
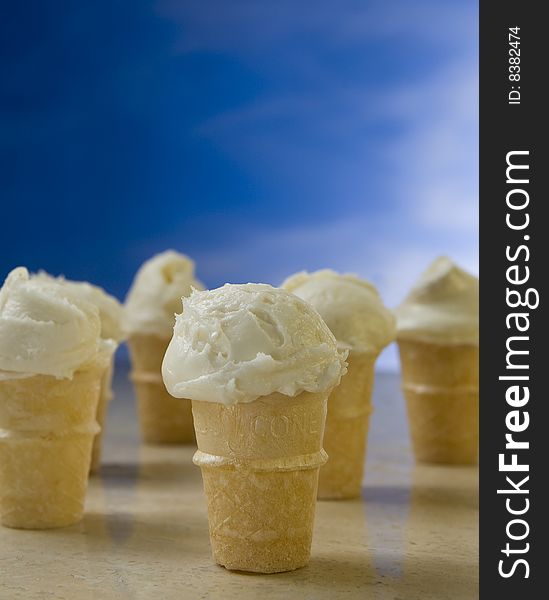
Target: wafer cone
point(441, 388)
point(47, 426)
point(163, 419)
point(346, 435)
point(260, 463)
point(105, 396)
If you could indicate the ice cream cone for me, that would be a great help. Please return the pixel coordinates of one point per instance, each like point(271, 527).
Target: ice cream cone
point(163, 419)
point(440, 383)
point(260, 463)
point(105, 396)
point(110, 316)
point(47, 426)
point(345, 438)
point(354, 311)
point(258, 364)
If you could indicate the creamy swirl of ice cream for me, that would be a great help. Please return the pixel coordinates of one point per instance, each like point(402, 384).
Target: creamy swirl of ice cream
point(110, 310)
point(156, 292)
point(442, 307)
point(45, 328)
point(240, 342)
point(350, 306)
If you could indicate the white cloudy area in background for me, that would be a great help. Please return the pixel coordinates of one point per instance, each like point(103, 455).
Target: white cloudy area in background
point(429, 178)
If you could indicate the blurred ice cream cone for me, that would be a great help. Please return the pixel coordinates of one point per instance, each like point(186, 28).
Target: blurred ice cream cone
point(47, 428)
point(346, 434)
point(438, 343)
point(440, 384)
point(354, 312)
point(150, 309)
point(105, 396)
point(52, 360)
point(110, 315)
point(163, 419)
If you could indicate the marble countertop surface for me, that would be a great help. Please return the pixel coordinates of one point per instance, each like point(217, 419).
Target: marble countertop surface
point(412, 535)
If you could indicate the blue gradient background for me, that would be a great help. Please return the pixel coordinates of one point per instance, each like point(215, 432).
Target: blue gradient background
point(258, 137)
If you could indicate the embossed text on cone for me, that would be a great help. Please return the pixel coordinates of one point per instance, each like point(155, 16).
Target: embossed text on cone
point(260, 463)
point(162, 418)
point(440, 383)
point(346, 434)
point(47, 426)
